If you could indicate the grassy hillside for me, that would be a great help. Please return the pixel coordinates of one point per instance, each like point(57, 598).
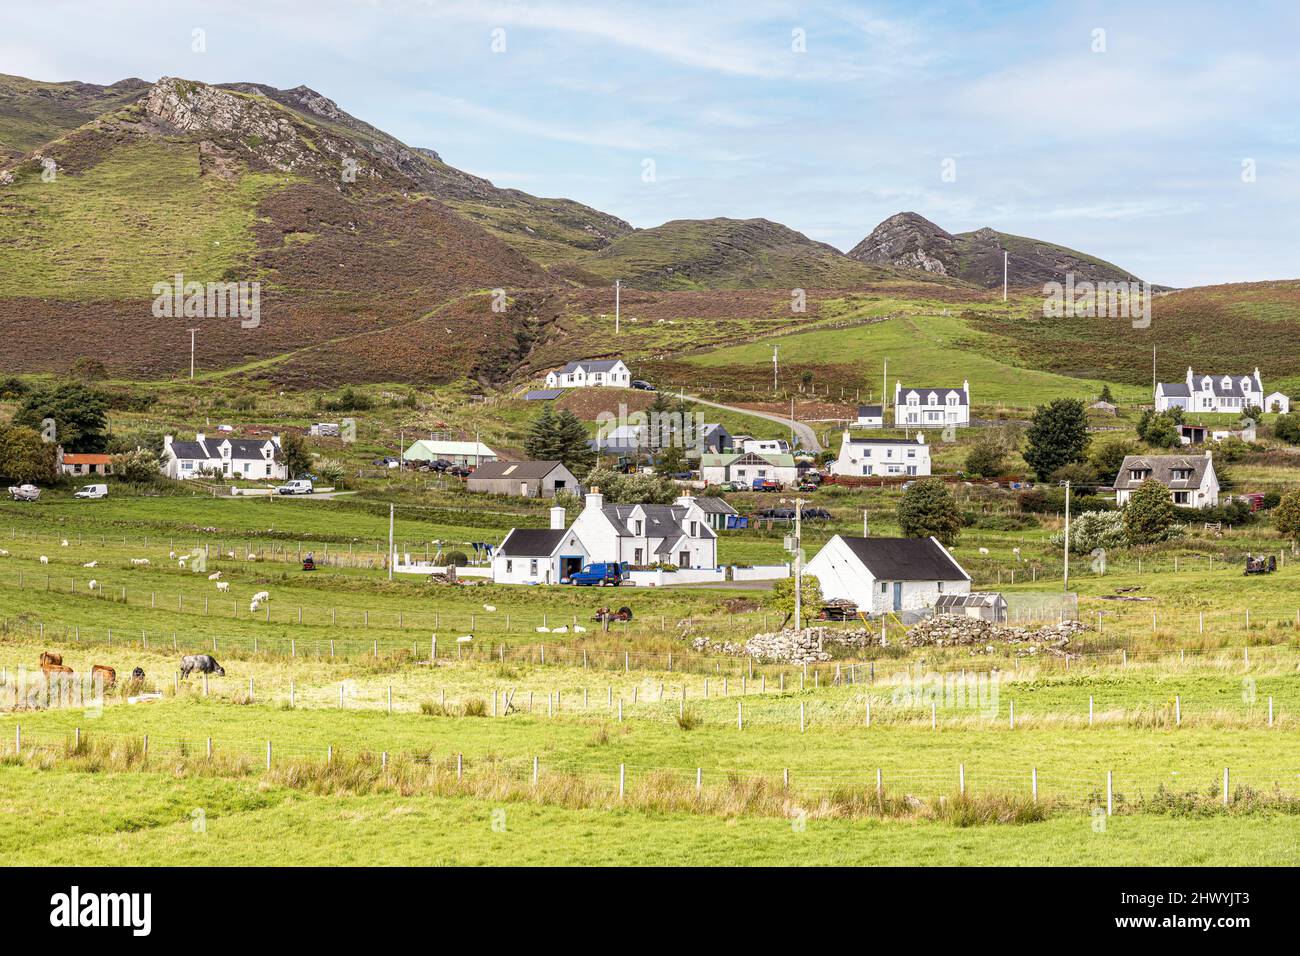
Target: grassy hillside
point(32, 113)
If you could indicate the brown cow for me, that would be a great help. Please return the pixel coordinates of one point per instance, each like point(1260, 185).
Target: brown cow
point(49, 669)
point(49, 657)
point(107, 673)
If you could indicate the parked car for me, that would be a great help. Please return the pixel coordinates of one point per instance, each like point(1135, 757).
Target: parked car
point(24, 492)
point(601, 573)
point(300, 486)
point(682, 475)
point(643, 385)
point(92, 491)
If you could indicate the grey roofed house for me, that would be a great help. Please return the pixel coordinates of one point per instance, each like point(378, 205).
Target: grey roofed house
point(1183, 471)
point(924, 392)
point(870, 411)
point(906, 559)
point(716, 511)
point(532, 542)
point(1178, 389)
point(665, 520)
point(240, 448)
point(527, 479)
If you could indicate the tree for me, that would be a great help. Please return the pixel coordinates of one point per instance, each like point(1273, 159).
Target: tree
point(1106, 396)
point(297, 458)
point(928, 508)
point(79, 414)
point(1149, 513)
point(631, 489)
point(561, 437)
point(1287, 428)
point(985, 459)
point(781, 597)
point(1160, 431)
point(25, 456)
point(1286, 516)
point(1057, 435)
point(1077, 473)
point(671, 460)
point(140, 467)
point(1092, 530)
point(539, 443)
point(87, 369)
point(1107, 457)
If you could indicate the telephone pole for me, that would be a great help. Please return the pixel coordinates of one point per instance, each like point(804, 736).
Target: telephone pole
point(1004, 274)
point(618, 289)
point(774, 368)
point(798, 558)
point(192, 331)
point(1067, 537)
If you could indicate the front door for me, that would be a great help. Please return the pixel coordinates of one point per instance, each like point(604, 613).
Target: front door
point(898, 595)
point(684, 559)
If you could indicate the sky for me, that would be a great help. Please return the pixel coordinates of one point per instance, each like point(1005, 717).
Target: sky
point(1160, 135)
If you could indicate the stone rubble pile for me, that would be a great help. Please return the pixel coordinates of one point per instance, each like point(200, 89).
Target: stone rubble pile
point(785, 646)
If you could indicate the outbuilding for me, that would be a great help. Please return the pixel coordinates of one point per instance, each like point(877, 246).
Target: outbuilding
point(526, 479)
point(881, 575)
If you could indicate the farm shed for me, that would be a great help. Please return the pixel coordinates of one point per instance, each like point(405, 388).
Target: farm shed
point(881, 575)
point(470, 453)
point(986, 605)
point(526, 479)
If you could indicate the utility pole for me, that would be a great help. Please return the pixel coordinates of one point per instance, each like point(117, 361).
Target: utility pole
point(865, 529)
point(618, 288)
point(792, 438)
point(884, 392)
point(774, 368)
point(1004, 275)
point(391, 554)
point(1153, 377)
point(192, 331)
point(798, 558)
point(1067, 536)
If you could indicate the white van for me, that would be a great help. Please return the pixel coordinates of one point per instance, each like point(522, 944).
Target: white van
point(92, 491)
point(299, 486)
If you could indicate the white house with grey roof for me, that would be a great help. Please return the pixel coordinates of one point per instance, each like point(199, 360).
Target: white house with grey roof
point(871, 416)
point(1230, 394)
point(884, 575)
point(679, 534)
point(248, 458)
point(1190, 479)
point(927, 406)
point(860, 457)
point(589, 373)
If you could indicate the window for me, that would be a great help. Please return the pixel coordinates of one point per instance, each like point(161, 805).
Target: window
point(939, 585)
point(884, 586)
point(532, 566)
point(695, 529)
point(636, 556)
point(510, 565)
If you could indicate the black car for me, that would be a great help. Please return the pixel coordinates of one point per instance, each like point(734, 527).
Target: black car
point(643, 385)
point(440, 464)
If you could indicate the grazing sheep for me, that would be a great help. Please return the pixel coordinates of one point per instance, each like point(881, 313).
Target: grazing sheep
point(93, 585)
point(63, 543)
point(560, 630)
point(215, 576)
point(984, 550)
point(466, 639)
point(252, 557)
point(140, 562)
point(579, 629)
point(44, 560)
point(172, 555)
point(3, 553)
point(230, 554)
point(543, 630)
point(489, 607)
point(182, 559)
point(91, 564)
point(223, 586)
point(262, 596)
point(253, 607)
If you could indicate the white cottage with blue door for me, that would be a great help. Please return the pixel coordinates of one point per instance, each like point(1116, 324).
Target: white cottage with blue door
point(881, 575)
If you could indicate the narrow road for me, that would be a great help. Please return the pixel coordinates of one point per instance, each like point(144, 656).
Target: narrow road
point(807, 437)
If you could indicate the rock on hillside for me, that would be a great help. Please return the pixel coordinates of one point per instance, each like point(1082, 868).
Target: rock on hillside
point(910, 241)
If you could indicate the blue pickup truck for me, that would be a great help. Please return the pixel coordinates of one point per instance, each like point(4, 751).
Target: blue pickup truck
point(601, 573)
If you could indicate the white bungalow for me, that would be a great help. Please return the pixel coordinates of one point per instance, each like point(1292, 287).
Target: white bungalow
point(248, 458)
point(590, 373)
point(882, 456)
point(881, 575)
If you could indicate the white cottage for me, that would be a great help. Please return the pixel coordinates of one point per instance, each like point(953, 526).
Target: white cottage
point(1190, 479)
point(881, 575)
point(590, 373)
point(248, 458)
point(928, 407)
point(882, 456)
point(871, 416)
point(540, 555)
point(1231, 394)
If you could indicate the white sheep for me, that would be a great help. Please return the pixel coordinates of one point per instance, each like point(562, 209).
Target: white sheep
point(63, 543)
point(543, 630)
point(172, 555)
point(223, 586)
point(560, 630)
point(214, 576)
point(140, 562)
point(93, 585)
point(230, 554)
point(44, 560)
point(182, 559)
point(253, 606)
point(3, 553)
point(465, 639)
point(489, 607)
point(91, 564)
point(984, 550)
point(579, 629)
point(252, 557)
point(261, 596)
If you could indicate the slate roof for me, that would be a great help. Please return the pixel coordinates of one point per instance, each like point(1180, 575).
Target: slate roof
point(715, 506)
point(1216, 385)
point(515, 469)
point(912, 442)
point(543, 394)
point(1162, 468)
point(1175, 389)
point(241, 449)
point(761, 458)
point(925, 391)
point(532, 542)
point(660, 521)
point(906, 559)
point(871, 411)
point(590, 366)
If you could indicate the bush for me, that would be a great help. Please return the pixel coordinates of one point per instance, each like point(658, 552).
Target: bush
point(1286, 428)
point(452, 558)
point(985, 460)
point(928, 508)
point(1092, 530)
point(1149, 513)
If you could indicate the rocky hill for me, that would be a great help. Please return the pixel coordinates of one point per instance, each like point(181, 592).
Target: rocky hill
point(910, 241)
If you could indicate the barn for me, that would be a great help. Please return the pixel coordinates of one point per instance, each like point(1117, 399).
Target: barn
point(527, 479)
point(881, 575)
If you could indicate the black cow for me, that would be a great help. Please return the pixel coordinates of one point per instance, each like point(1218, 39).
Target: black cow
point(203, 663)
point(137, 674)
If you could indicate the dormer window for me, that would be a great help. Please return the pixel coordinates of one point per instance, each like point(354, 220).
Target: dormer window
point(1181, 474)
point(934, 399)
point(1139, 474)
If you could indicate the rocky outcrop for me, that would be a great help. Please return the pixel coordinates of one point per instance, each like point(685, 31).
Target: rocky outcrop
point(911, 241)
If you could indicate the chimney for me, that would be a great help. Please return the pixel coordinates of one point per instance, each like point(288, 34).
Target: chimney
point(685, 500)
point(199, 436)
point(595, 501)
point(167, 441)
point(557, 518)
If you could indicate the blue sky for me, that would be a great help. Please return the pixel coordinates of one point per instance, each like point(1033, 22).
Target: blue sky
point(1127, 144)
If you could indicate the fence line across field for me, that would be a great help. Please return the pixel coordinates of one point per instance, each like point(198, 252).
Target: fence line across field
point(962, 781)
point(948, 704)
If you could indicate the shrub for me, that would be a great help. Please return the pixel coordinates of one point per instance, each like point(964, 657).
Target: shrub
point(1149, 513)
point(1092, 530)
point(928, 508)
